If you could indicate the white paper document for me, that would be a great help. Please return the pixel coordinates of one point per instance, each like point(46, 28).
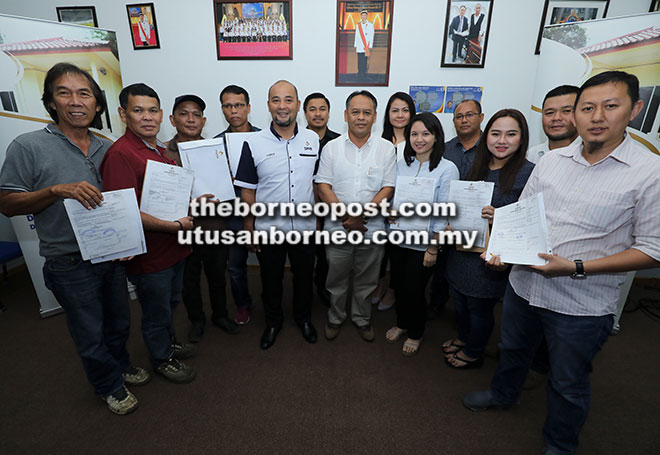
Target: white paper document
point(208, 160)
point(415, 190)
point(166, 191)
point(470, 198)
point(234, 146)
point(112, 230)
point(520, 232)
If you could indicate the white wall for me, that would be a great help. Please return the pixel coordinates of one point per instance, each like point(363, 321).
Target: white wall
point(186, 61)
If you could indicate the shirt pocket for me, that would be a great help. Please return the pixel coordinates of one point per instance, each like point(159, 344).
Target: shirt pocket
point(605, 211)
point(375, 178)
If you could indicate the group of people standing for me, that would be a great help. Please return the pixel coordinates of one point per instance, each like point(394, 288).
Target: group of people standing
point(253, 30)
point(597, 230)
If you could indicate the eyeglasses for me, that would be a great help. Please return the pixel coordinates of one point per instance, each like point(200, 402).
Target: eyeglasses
point(233, 106)
point(468, 116)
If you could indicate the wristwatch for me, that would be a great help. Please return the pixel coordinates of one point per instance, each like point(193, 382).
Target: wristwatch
point(579, 273)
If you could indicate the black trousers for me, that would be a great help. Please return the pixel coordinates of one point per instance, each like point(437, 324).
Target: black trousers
point(214, 260)
point(459, 42)
point(321, 271)
point(362, 63)
point(272, 259)
point(409, 278)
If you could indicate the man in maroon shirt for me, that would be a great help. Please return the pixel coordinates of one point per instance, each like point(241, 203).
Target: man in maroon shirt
point(158, 274)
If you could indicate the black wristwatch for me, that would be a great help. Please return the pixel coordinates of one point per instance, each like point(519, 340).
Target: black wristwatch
point(579, 273)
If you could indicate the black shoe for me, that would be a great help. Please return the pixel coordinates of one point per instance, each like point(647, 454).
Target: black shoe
point(269, 336)
point(196, 331)
point(183, 351)
point(324, 296)
point(308, 332)
point(175, 371)
point(227, 325)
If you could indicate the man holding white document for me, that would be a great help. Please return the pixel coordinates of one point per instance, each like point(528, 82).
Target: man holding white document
point(598, 230)
point(158, 274)
point(41, 169)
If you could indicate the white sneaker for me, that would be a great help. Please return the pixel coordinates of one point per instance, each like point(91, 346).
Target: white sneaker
point(122, 401)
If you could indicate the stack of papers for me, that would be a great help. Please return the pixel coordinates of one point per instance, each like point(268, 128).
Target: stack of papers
point(208, 160)
point(166, 191)
point(112, 230)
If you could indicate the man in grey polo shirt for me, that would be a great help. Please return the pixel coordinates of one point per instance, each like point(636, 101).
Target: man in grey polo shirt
point(41, 169)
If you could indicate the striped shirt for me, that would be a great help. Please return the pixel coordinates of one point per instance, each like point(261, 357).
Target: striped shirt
point(592, 211)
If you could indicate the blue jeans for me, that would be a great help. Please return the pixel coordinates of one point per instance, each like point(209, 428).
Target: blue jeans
point(159, 293)
point(94, 298)
point(475, 320)
point(573, 342)
point(237, 266)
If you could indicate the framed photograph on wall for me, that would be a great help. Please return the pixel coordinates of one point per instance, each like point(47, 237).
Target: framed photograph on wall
point(253, 30)
point(655, 6)
point(144, 31)
point(363, 43)
point(467, 26)
point(78, 15)
point(566, 12)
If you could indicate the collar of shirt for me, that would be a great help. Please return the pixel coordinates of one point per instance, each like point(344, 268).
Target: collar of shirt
point(253, 129)
point(366, 146)
point(95, 143)
point(620, 153)
point(276, 134)
point(139, 143)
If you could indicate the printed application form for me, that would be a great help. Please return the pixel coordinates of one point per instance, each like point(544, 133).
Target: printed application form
point(208, 159)
point(470, 198)
point(166, 191)
point(520, 232)
point(112, 230)
point(415, 190)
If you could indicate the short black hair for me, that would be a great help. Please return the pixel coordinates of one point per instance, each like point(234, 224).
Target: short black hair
point(313, 96)
point(615, 77)
point(59, 70)
point(366, 93)
point(138, 89)
point(560, 91)
point(236, 90)
point(471, 100)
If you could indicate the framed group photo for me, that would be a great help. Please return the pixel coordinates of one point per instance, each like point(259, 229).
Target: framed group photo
point(567, 12)
point(253, 30)
point(144, 31)
point(363, 43)
point(467, 26)
point(78, 15)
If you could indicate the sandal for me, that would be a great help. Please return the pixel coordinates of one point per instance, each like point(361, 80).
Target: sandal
point(451, 346)
point(466, 364)
point(410, 347)
point(394, 334)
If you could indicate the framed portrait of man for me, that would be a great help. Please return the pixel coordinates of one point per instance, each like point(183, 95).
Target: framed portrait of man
point(144, 31)
point(467, 26)
point(253, 30)
point(567, 12)
point(363, 43)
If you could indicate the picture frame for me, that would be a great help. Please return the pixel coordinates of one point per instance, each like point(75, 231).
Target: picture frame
point(563, 11)
point(362, 53)
point(467, 27)
point(78, 15)
point(142, 22)
point(249, 30)
point(655, 6)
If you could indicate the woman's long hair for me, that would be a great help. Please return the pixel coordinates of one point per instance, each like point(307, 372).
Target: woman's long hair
point(482, 155)
point(434, 126)
point(388, 129)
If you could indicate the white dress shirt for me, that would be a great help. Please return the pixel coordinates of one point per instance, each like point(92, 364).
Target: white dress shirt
point(592, 211)
point(357, 174)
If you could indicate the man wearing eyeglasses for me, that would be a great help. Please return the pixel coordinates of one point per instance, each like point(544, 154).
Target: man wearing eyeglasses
point(235, 103)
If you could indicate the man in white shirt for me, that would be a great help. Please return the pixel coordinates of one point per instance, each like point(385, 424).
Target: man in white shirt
point(364, 41)
point(277, 165)
point(557, 120)
point(355, 167)
point(602, 199)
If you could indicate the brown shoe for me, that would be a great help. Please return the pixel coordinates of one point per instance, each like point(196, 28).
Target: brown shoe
point(331, 331)
point(367, 332)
